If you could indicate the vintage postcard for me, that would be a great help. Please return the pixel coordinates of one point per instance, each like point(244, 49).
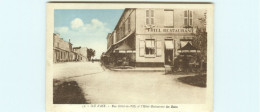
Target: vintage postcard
point(129, 57)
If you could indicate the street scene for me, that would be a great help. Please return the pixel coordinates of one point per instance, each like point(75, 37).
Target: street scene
point(103, 86)
point(132, 56)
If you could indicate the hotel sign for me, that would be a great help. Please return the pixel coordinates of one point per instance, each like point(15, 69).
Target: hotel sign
point(170, 30)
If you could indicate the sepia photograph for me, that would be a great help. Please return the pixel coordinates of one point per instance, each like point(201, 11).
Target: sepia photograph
point(129, 56)
point(148, 54)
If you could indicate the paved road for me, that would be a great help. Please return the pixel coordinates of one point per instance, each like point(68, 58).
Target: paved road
point(75, 69)
point(109, 87)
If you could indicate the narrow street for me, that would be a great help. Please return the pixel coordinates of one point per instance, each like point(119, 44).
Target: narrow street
point(109, 87)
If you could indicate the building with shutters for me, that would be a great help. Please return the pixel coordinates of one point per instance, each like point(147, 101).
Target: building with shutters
point(152, 37)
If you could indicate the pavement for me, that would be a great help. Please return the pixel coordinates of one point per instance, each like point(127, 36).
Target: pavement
point(141, 69)
point(102, 86)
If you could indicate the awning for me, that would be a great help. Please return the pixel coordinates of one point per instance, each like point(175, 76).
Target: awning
point(184, 43)
point(188, 48)
point(168, 44)
point(124, 48)
point(149, 44)
point(111, 48)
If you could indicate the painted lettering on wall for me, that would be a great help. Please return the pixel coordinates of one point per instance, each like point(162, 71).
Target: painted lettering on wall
point(170, 30)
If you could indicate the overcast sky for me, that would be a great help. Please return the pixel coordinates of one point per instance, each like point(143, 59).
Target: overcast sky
point(86, 28)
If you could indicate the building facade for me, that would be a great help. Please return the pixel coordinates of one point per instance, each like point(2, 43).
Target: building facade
point(80, 53)
point(63, 51)
point(152, 37)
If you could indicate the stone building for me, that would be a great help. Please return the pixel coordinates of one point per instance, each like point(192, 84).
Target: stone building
point(80, 53)
point(152, 37)
point(63, 51)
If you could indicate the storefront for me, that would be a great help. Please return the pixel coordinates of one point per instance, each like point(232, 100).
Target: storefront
point(159, 48)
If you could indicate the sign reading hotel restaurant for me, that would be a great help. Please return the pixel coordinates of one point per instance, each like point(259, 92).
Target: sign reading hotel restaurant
point(170, 30)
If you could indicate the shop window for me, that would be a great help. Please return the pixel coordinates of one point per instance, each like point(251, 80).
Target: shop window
point(168, 18)
point(149, 17)
point(150, 47)
point(188, 18)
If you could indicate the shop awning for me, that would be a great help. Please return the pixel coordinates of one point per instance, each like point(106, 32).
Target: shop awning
point(149, 44)
point(188, 48)
point(168, 45)
point(124, 48)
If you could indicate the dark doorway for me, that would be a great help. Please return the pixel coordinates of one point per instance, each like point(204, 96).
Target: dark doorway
point(168, 56)
point(168, 51)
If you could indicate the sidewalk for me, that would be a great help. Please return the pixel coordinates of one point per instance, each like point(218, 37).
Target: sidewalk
point(140, 69)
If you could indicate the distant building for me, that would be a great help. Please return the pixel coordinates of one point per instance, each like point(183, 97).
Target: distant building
point(61, 49)
point(63, 52)
point(151, 37)
point(80, 53)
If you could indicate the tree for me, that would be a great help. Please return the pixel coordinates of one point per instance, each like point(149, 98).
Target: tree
point(200, 42)
point(91, 53)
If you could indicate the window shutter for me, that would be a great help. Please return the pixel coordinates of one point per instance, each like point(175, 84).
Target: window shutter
point(147, 13)
point(147, 21)
point(185, 13)
point(185, 21)
point(129, 22)
point(152, 20)
point(142, 47)
point(152, 13)
point(190, 22)
point(123, 29)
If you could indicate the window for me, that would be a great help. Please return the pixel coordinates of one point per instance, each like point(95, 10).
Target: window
point(168, 18)
point(123, 30)
point(149, 17)
point(150, 47)
point(188, 18)
point(129, 22)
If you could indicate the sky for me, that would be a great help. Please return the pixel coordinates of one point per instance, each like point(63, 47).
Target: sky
point(86, 27)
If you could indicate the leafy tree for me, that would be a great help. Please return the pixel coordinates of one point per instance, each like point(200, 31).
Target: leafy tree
point(200, 42)
point(91, 53)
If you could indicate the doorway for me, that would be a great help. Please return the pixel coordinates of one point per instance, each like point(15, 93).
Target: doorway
point(168, 52)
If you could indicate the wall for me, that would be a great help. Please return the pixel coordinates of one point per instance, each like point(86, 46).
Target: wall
point(60, 43)
point(178, 19)
point(109, 40)
point(122, 28)
point(61, 49)
point(159, 35)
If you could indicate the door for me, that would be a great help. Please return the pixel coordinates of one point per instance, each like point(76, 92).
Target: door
point(168, 52)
